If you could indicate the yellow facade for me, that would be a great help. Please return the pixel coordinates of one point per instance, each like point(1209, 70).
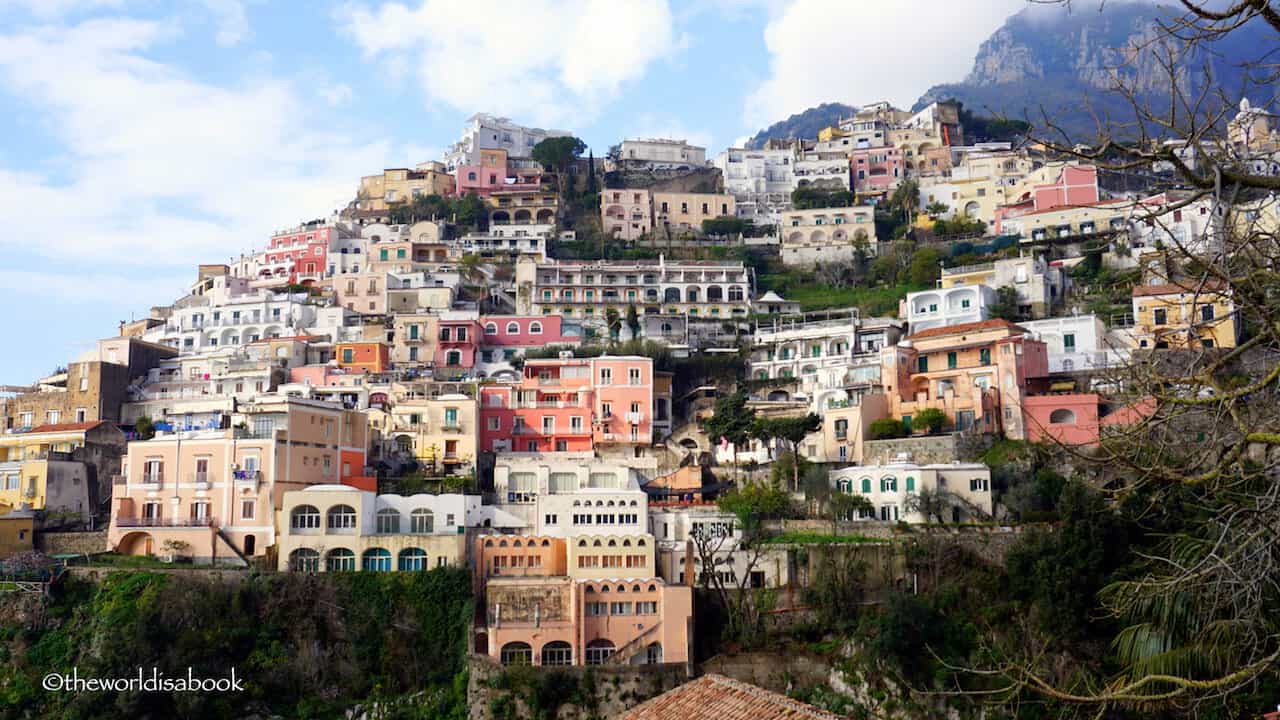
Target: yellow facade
point(688, 210)
point(397, 185)
point(1168, 316)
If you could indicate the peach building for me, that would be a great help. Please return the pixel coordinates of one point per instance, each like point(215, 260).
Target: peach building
point(212, 495)
point(582, 604)
point(369, 357)
point(626, 214)
point(1185, 314)
point(570, 404)
point(977, 373)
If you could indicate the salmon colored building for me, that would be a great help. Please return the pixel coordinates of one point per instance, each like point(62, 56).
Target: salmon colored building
point(212, 495)
point(570, 404)
point(591, 611)
point(367, 357)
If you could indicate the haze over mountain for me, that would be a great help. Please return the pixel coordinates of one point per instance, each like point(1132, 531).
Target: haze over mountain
point(1047, 61)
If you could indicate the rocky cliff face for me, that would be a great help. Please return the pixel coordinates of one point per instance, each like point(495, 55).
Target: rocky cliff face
point(1067, 66)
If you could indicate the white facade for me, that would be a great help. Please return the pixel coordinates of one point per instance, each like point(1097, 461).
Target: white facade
point(663, 152)
point(566, 494)
point(488, 132)
point(825, 356)
point(232, 314)
point(965, 488)
point(760, 181)
point(679, 530)
point(1074, 343)
point(822, 169)
point(948, 306)
point(1159, 224)
point(503, 240)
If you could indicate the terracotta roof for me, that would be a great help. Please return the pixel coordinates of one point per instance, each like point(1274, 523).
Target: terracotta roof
point(1186, 286)
point(65, 427)
point(993, 324)
point(716, 697)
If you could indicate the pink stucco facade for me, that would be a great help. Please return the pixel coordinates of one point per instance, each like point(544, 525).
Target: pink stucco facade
point(1076, 185)
point(875, 170)
point(456, 344)
point(570, 405)
point(525, 331)
point(297, 256)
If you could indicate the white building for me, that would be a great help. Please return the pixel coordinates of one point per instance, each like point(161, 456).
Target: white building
point(828, 170)
point(760, 181)
point(821, 235)
point(662, 153)
point(232, 314)
point(1163, 223)
point(565, 494)
point(965, 489)
point(502, 240)
point(948, 306)
point(825, 357)
point(487, 132)
point(1074, 343)
point(1040, 284)
point(685, 533)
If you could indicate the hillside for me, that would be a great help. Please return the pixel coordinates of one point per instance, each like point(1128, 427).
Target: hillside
point(804, 124)
point(1069, 74)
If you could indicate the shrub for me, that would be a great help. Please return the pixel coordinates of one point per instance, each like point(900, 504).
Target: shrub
point(886, 429)
point(931, 419)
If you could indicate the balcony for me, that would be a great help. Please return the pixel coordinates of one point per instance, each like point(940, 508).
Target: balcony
point(634, 418)
point(152, 481)
point(247, 478)
point(452, 427)
point(163, 522)
point(201, 480)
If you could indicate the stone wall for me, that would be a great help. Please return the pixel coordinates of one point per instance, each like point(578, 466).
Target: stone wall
point(923, 449)
point(79, 543)
point(96, 573)
point(990, 542)
point(614, 689)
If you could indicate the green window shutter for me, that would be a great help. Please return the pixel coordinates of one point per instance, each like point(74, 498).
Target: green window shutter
point(866, 486)
point(911, 484)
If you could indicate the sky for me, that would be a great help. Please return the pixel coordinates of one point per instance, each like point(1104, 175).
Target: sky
point(141, 138)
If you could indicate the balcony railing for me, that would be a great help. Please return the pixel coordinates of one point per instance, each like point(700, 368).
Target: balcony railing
point(247, 476)
point(163, 522)
point(156, 479)
point(452, 427)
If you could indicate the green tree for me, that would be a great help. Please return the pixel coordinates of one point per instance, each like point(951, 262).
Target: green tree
point(936, 209)
point(790, 430)
point(924, 268)
point(731, 420)
point(633, 321)
point(144, 427)
point(1005, 306)
point(931, 419)
point(469, 267)
point(907, 199)
point(845, 507)
point(557, 155)
point(471, 210)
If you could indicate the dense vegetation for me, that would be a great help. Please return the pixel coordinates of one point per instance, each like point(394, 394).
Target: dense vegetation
point(307, 646)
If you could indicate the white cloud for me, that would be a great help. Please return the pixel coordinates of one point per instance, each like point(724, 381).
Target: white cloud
point(51, 9)
point(864, 52)
point(159, 170)
point(336, 94)
point(230, 19)
point(653, 126)
point(542, 61)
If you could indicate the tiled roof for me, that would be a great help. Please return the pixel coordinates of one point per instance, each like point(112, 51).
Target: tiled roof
point(978, 326)
point(65, 427)
point(1186, 286)
point(716, 697)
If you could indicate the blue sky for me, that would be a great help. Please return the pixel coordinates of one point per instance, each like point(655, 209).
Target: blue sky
point(142, 137)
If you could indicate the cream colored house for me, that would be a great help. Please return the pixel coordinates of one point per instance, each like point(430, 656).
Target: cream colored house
point(826, 234)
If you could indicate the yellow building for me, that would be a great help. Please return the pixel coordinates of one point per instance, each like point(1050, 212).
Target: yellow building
point(1184, 315)
point(59, 469)
point(17, 530)
point(436, 423)
point(677, 211)
point(393, 186)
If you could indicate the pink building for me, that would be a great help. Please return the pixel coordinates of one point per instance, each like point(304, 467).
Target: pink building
point(876, 170)
point(527, 331)
point(458, 341)
point(1076, 185)
point(1076, 418)
point(299, 255)
point(496, 172)
point(570, 405)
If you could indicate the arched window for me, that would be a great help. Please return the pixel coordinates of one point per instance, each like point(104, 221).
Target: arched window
point(342, 518)
point(671, 295)
point(513, 328)
point(535, 328)
point(490, 328)
point(517, 543)
point(388, 521)
point(735, 294)
point(304, 560)
point(340, 560)
point(691, 294)
point(652, 654)
point(376, 560)
point(516, 653)
point(546, 543)
point(422, 521)
point(599, 651)
point(1063, 416)
point(866, 486)
point(845, 485)
point(557, 652)
point(304, 518)
point(413, 559)
point(453, 357)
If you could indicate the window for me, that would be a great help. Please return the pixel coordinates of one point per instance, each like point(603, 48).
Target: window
point(911, 484)
point(922, 364)
point(495, 423)
point(340, 560)
point(979, 485)
point(557, 653)
point(304, 517)
point(376, 560)
point(1206, 313)
point(535, 328)
point(951, 360)
point(647, 608)
point(888, 484)
point(1069, 342)
point(248, 509)
point(341, 517)
point(412, 559)
point(597, 609)
point(304, 560)
point(606, 376)
point(421, 521)
point(348, 355)
point(1161, 316)
point(633, 376)
point(513, 328)
point(866, 486)
point(599, 651)
point(550, 519)
point(984, 356)
point(620, 608)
